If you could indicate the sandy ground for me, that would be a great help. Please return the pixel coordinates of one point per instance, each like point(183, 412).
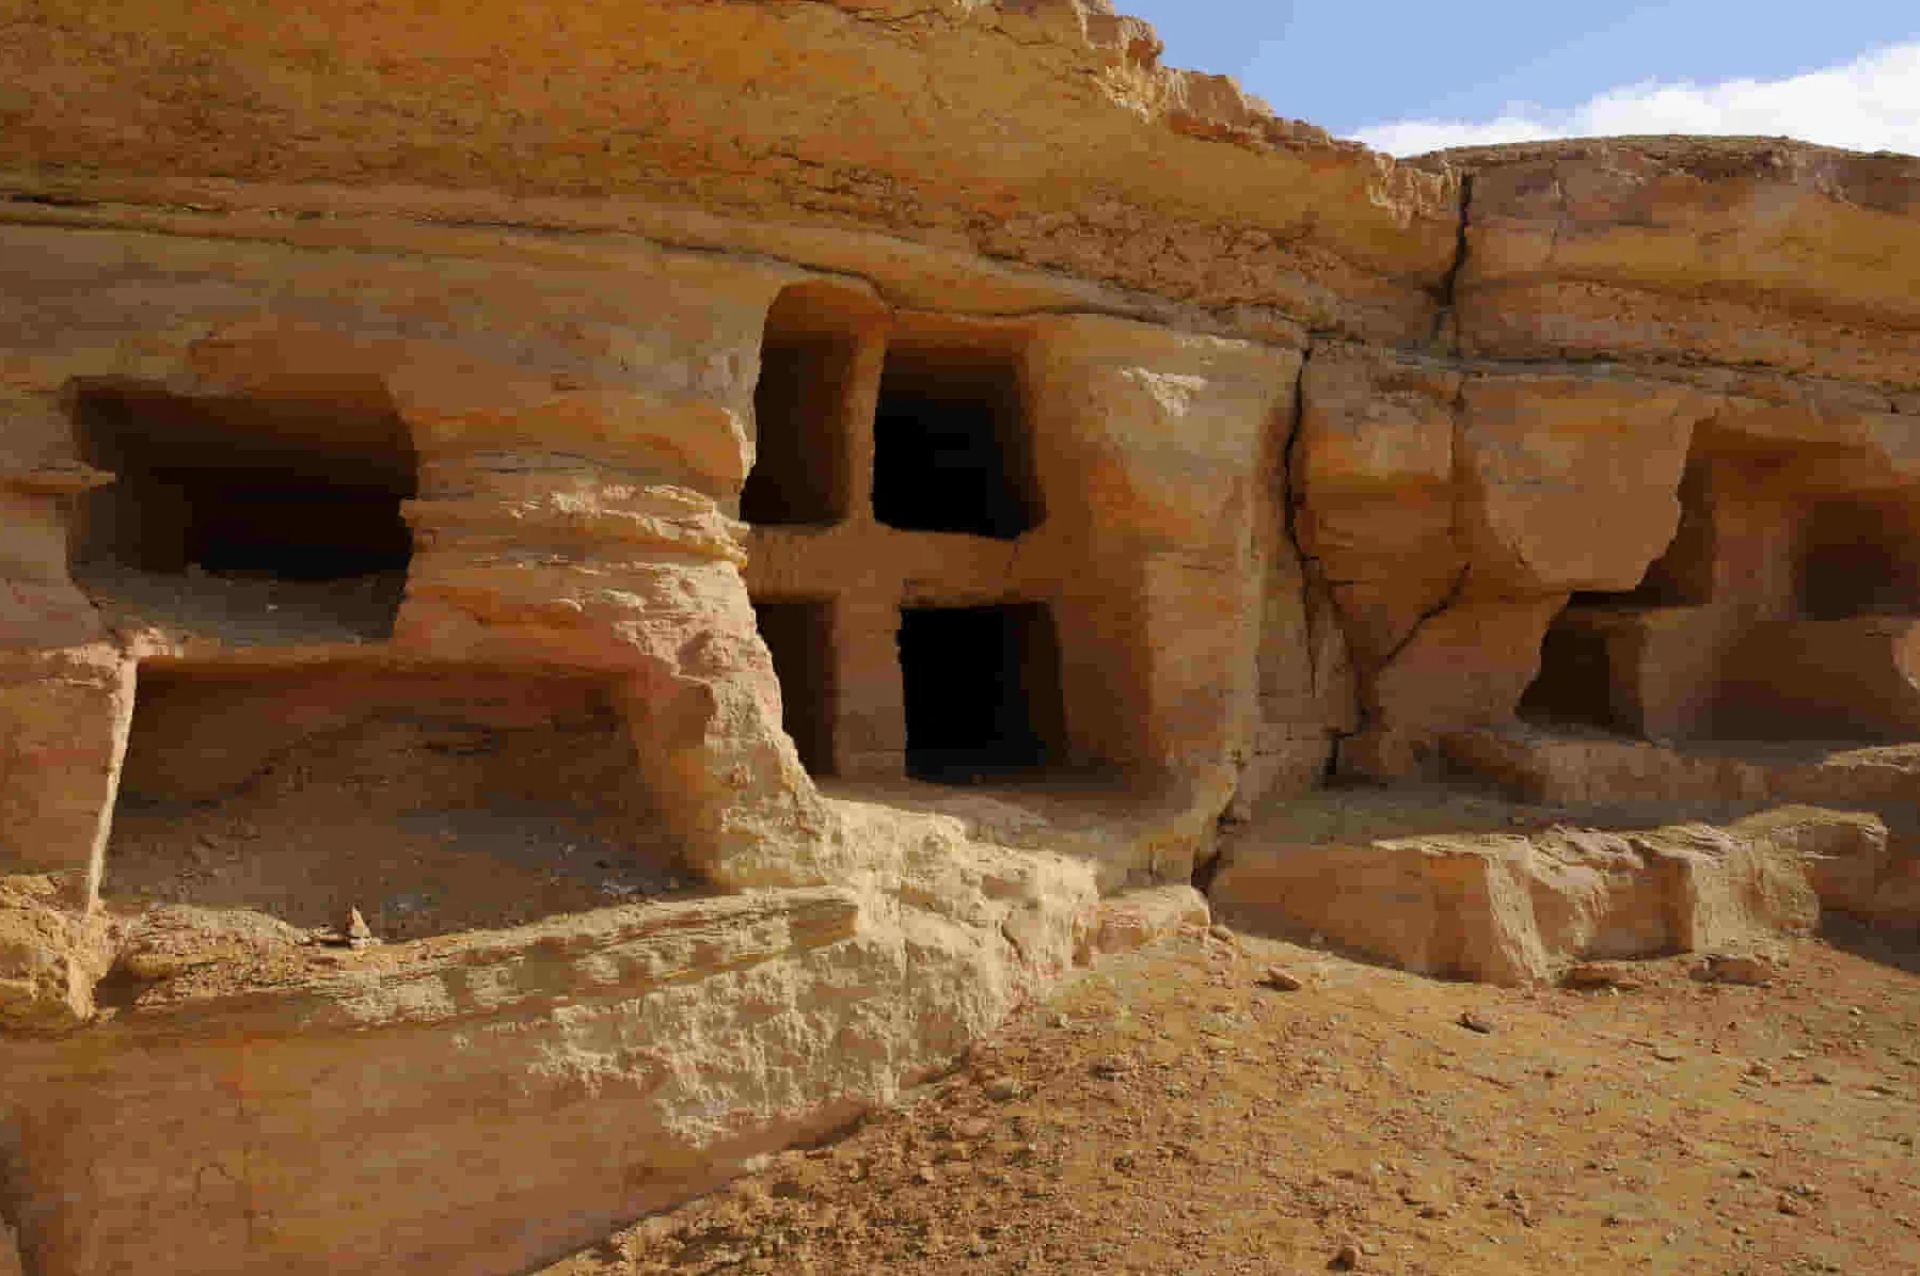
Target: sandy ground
point(1167, 1113)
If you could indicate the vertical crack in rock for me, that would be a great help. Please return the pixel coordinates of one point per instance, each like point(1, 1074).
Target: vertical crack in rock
point(1315, 591)
point(1290, 507)
point(1456, 524)
point(1445, 329)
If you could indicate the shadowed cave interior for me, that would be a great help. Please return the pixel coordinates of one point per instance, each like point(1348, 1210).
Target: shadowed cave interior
point(982, 688)
point(801, 470)
point(951, 452)
point(227, 506)
point(799, 636)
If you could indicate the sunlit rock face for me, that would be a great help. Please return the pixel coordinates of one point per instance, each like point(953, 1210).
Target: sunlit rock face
point(589, 590)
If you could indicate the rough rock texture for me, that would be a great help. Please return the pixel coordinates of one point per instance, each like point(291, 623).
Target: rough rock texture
point(1856, 865)
point(1135, 919)
point(1737, 252)
point(663, 1044)
point(780, 508)
point(1547, 767)
point(1518, 909)
point(50, 958)
point(963, 127)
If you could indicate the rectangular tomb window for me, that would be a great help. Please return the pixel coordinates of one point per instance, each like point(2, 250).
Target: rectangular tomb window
point(982, 691)
point(802, 470)
point(799, 636)
point(952, 451)
point(1575, 685)
point(228, 505)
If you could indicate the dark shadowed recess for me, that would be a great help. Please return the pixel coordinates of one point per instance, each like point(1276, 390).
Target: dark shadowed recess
point(801, 472)
point(951, 448)
point(799, 636)
point(297, 489)
point(982, 688)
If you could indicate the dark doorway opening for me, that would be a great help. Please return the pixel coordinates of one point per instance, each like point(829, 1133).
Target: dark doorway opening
point(801, 470)
point(1575, 683)
point(1858, 558)
point(982, 688)
point(304, 493)
point(799, 636)
point(951, 448)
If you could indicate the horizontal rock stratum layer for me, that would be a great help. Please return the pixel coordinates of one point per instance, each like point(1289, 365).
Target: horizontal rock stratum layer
point(745, 538)
point(1523, 908)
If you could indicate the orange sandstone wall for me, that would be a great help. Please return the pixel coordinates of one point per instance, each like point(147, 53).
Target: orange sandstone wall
point(1335, 453)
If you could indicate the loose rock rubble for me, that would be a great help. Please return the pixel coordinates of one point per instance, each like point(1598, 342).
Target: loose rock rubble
point(1361, 1122)
point(1754, 970)
point(1280, 979)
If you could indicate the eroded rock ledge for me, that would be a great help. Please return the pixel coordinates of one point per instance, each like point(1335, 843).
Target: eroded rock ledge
point(747, 538)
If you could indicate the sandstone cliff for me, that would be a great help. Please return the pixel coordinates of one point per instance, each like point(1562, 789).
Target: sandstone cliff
point(728, 527)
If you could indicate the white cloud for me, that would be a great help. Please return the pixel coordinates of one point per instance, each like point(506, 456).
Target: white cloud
point(1869, 104)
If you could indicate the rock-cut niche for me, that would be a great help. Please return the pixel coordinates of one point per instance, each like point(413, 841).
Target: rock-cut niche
point(432, 800)
point(1575, 686)
point(982, 691)
point(802, 470)
point(229, 505)
point(952, 451)
point(799, 637)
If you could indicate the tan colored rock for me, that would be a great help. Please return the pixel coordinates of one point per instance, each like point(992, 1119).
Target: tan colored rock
point(672, 1043)
point(1848, 679)
point(1467, 664)
point(63, 731)
point(1846, 853)
point(1205, 195)
point(1544, 767)
point(1751, 252)
point(1295, 478)
point(1135, 919)
point(50, 957)
point(1280, 979)
point(1373, 476)
point(1169, 615)
point(9, 1251)
point(1752, 970)
point(1571, 481)
point(1453, 515)
point(1591, 975)
point(1896, 896)
point(1515, 909)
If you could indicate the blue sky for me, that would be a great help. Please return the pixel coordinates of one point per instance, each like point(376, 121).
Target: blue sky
point(1845, 68)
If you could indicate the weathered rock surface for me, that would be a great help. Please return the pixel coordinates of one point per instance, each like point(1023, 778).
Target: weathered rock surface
point(1547, 767)
point(50, 957)
point(862, 117)
point(665, 1044)
point(1561, 467)
point(1731, 251)
point(1134, 919)
point(1519, 909)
